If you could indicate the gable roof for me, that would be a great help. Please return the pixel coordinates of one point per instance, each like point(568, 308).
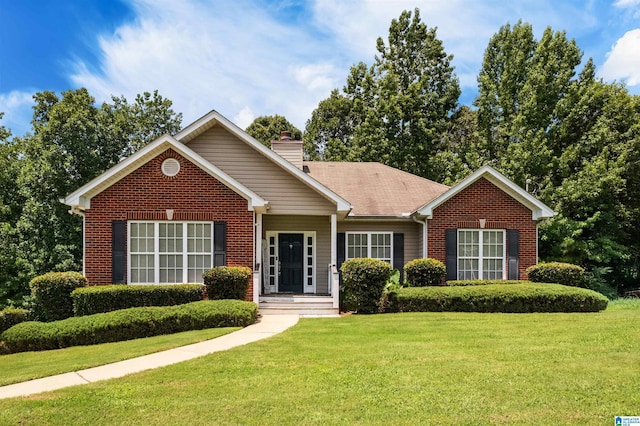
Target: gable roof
point(375, 189)
point(81, 198)
point(538, 209)
point(212, 118)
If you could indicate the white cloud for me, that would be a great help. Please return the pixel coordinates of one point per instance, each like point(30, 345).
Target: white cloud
point(623, 61)
point(17, 108)
point(232, 56)
point(627, 3)
point(244, 60)
point(244, 117)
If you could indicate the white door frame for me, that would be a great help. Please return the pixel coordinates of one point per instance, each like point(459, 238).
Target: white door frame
point(272, 261)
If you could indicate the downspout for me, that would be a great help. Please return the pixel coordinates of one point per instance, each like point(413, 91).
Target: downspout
point(80, 212)
point(425, 245)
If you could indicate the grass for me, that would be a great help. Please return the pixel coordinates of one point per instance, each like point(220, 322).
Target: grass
point(415, 368)
point(20, 367)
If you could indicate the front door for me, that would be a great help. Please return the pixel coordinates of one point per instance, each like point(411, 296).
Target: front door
point(291, 249)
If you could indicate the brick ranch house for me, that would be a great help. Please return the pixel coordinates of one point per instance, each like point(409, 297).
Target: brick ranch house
point(213, 195)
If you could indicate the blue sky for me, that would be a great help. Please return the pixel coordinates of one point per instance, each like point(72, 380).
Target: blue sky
point(247, 58)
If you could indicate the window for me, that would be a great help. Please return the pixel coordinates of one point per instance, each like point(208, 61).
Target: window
point(169, 252)
point(481, 254)
point(370, 244)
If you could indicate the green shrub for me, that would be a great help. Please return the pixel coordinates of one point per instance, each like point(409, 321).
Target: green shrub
point(557, 273)
point(423, 272)
point(227, 282)
point(51, 294)
point(128, 324)
point(464, 283)
point(364, 281)
point(107, 298)
point(526, 297)
point(12, 316)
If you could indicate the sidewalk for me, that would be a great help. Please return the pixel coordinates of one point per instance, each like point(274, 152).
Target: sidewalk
point(268, 326)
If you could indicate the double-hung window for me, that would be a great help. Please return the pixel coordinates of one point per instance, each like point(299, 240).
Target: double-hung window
point(481, 254)
point(377, 245)
point(169, 252)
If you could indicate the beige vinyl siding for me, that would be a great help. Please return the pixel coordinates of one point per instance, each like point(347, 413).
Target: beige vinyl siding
point(285, 193)
point(321, 225)
point(411, 230)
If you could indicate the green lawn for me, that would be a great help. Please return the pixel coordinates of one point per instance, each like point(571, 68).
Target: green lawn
point(24, 366)
point(420, 368)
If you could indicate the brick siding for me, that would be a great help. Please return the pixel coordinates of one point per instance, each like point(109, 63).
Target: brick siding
point(484, 200)
point(147, 193)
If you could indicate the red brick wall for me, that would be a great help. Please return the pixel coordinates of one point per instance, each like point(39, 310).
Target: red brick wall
point(146, 194)
point(483, 200)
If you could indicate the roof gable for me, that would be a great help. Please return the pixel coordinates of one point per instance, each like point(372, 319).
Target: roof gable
point(81, 198)
point(538, 209)
point(212, 118)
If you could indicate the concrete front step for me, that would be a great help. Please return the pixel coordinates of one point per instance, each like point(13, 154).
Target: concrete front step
point(298, 304)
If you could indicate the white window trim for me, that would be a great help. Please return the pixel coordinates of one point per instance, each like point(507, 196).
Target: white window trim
point(480, 253)
point(311, 289)
point(368, 233)
point(156, 246)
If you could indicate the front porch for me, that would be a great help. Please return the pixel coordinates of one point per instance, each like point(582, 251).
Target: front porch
point(295, 264)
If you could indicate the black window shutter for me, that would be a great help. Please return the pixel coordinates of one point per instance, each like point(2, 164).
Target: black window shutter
point(398, 254)
point(451, 242)
point(513, 254)
point(119, 252)
point(219, 243)
point(340, 251)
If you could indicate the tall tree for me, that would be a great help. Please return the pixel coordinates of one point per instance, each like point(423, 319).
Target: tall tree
point(267, 128)
point(397, 110)
point(12, 268)
point(574, 136)
point(73, 141)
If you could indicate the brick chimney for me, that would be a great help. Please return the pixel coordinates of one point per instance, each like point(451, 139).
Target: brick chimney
point(289, 149)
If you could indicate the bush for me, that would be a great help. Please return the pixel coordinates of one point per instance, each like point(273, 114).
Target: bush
point(526, 297)
point(227, 282)
point(424, 272)
point(51, 294)
point(107, 298)
point(12, 316)
point(465, 283)
point(364, 281)
point(557, 273)
point(128, 324)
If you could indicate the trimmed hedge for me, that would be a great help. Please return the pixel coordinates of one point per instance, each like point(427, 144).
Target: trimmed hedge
point(12, 316)
point(464, 283)
point(107, 298)
point(364, 280)
point(424, 272)
point(558, 273)
point(51, 294)
point(526, 297)
point(128, 324)
point(227, 282)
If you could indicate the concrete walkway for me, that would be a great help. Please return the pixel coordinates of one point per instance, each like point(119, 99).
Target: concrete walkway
point(267, 326)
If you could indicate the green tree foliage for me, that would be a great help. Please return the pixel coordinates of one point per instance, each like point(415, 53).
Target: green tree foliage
point(395, 111)
point(543, 119)
point(73, 141)
point(267, 128)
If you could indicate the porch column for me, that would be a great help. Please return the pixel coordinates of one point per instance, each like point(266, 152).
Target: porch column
point(257, 261)
point(333, 268)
